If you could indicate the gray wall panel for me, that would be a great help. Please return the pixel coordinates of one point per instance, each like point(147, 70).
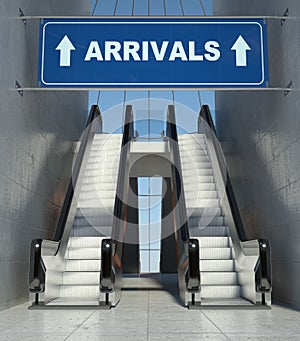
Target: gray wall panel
point(37, 135)
point(261, 131)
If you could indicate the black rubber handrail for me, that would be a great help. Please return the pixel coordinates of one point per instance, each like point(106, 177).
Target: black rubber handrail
point(94, 113)
point(206, 115)
point(263, 270)
point(112, 249)
point(187, 249)
point(171, 133)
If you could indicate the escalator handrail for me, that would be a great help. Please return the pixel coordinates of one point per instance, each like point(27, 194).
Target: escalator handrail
point(128, 136)
point(206, 115)
point(112, 269)
point(60, 228)
point(188, 260)
point(171, 133)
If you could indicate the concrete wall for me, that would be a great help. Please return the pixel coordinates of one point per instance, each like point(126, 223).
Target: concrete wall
point(36, 142)
point(261, 132)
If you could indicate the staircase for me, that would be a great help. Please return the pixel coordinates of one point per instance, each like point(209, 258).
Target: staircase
point(219, 279)
point(93, 222)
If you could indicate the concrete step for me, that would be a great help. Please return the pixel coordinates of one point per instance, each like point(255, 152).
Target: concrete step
point(85, 242)
point(219, 278)
point(220, 291)
point(81, 278)
point(83, 253)
point(82, 265)
point(199, 212)
point(216, 253)
point(217, 265)
point(80, 291)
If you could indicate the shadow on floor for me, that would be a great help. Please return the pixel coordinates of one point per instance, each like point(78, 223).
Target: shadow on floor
point(152, 282)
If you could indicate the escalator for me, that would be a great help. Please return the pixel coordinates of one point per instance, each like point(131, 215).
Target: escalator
point(203, 236)
point(233, 270)
point(79, 267)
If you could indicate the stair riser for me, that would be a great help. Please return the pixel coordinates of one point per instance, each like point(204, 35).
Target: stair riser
point(81, 278)
point(95, 187)
point(96, 221)
point(198, 222)
point(214, 242)
point(219, 278)
point(97, 203)
point(92, 232)
point(85, 242)
point(220, 291)
point(200, 179)
point(95, 195)
point(82, 265)
point(83, 253)
point(192, 187)
point(216, 253)
point(196, 213)
point(195, 172)
point(217, 265)
point(200, 195)
point(198, 165)
point(79, 292)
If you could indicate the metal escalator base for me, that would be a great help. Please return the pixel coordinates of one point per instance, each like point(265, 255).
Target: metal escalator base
point(63, 303)
point(227, 303)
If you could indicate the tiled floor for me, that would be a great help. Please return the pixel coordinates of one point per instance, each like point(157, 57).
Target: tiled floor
point(149, 315)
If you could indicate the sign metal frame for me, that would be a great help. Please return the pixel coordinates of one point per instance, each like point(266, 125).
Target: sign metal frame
point(264, 82)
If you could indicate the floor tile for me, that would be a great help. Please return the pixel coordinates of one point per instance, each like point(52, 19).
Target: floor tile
point(263, 337)
point(149, 315)
point(187, 336)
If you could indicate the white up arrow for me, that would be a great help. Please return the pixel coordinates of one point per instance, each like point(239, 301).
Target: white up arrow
point(65, 47)
point(241, 47)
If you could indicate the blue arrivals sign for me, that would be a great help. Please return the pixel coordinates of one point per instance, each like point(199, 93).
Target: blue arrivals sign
point(153, 53)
